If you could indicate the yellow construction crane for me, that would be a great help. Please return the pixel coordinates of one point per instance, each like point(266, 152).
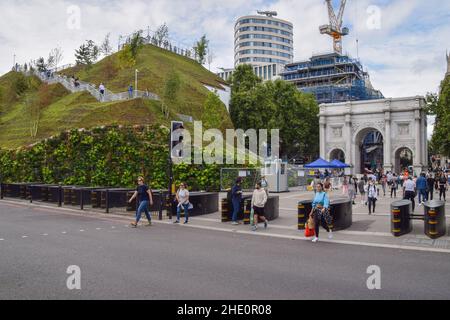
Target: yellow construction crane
point(334, 29)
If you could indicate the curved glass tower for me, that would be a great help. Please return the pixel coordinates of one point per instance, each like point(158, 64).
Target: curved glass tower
point(261, 40)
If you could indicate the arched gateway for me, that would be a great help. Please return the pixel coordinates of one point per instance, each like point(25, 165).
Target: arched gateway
point(375, 134)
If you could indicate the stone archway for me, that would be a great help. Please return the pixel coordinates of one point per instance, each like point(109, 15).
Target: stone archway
point(404, 158)
point(337, 154)
point(369, 150)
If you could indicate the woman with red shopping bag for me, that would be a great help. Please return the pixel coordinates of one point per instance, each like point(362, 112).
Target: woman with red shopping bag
point(321, 212)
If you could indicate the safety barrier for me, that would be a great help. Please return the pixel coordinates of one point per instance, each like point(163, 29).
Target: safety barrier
point(341, 210)
point(304, 209)
point(271, 209)
point(106, 199)
point(435, 222)
point(433, 218)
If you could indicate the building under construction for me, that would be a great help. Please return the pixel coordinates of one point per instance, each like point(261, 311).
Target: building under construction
point(332, 78)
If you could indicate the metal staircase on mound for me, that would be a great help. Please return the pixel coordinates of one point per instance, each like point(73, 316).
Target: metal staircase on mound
point(108, 96)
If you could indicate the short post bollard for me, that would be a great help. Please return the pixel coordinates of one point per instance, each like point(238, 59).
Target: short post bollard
point(60, 196)
point(81, 200)
point(247, 211)
point(161, 202)
point(107, 200)
point(224, 209)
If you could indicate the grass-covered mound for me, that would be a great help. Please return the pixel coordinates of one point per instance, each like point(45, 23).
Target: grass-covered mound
point(31, 111)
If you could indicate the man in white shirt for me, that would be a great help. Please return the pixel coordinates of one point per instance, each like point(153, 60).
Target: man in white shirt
point(409, 191)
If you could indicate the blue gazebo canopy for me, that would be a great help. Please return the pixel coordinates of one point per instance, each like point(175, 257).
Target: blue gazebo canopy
point(339, 165)
point(320, 164)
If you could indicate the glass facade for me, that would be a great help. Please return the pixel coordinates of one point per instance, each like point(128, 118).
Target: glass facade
point(275, 45)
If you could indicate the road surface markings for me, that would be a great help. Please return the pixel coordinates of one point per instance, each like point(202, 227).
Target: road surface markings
point(24, 237)
point(64, 232)
point(81, 230)
point(2, 239)
point(98, 229)
point(45, 234)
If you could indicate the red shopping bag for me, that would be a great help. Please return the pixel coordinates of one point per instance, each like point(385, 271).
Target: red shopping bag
point(309, 229)
point(309, 233)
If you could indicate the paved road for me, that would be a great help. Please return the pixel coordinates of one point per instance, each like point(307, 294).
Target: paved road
point(176, 262)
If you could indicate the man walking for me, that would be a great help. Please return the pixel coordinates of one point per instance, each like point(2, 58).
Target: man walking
point(409, 191)
point(236, 196)
point(130, 91)
point(421, 185)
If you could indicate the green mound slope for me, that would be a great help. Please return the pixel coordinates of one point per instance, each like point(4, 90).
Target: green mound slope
point(60, 110)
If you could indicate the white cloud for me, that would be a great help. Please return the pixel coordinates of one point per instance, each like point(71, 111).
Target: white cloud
point(405, 56)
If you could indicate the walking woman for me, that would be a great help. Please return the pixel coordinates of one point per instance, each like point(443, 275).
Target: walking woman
point(443, 186)
point(321, 212)
point(384, 183)
point(362, 190)
point(144, 199)
point(183, 202)
point(345, 187)
point(259, 201)
point(394, 186)
point(372, 196)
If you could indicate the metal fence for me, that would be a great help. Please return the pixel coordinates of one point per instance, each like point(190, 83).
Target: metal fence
point(249, 177)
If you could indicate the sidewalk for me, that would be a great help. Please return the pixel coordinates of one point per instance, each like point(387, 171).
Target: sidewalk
point(373, 231)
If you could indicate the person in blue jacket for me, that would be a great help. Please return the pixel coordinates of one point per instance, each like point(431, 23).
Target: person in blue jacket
point(321, 212)
point(422, 185)
point(236, 197)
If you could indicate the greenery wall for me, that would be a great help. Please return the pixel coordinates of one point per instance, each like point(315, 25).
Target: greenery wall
point(109, 156)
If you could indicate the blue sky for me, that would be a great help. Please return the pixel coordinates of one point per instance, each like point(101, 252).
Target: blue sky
point(404, 53)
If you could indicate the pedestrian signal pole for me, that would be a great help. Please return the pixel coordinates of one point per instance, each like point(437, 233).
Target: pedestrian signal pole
point(175, 143)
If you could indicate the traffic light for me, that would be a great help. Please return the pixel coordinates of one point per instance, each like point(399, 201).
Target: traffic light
point(176, 139)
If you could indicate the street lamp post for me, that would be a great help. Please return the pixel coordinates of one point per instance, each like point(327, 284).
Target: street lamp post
point(136, 84)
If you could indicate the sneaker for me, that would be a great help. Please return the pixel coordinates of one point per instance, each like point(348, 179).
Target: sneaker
point(186, 222)
point(234, 223)
point(134, 225)
point(149, 224)
point(176, 222)
point(330, 235)
point(315, 239)
point(265, 224)
point(254, 228)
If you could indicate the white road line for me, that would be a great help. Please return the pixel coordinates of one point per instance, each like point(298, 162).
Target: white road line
point(345, 242)
point(98, 229)
point(81, 230)
point(24, 237)
point(2, 239)
point(45, 234)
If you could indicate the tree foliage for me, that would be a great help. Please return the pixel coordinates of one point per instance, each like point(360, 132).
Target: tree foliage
point(105, 47)
point(128, 54)
point(439, 106)
point(275, 105)
point(87, 54)
point(161, 35)
point(201, 49)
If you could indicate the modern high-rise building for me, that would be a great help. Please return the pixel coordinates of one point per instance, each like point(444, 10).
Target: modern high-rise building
point(262, 39)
